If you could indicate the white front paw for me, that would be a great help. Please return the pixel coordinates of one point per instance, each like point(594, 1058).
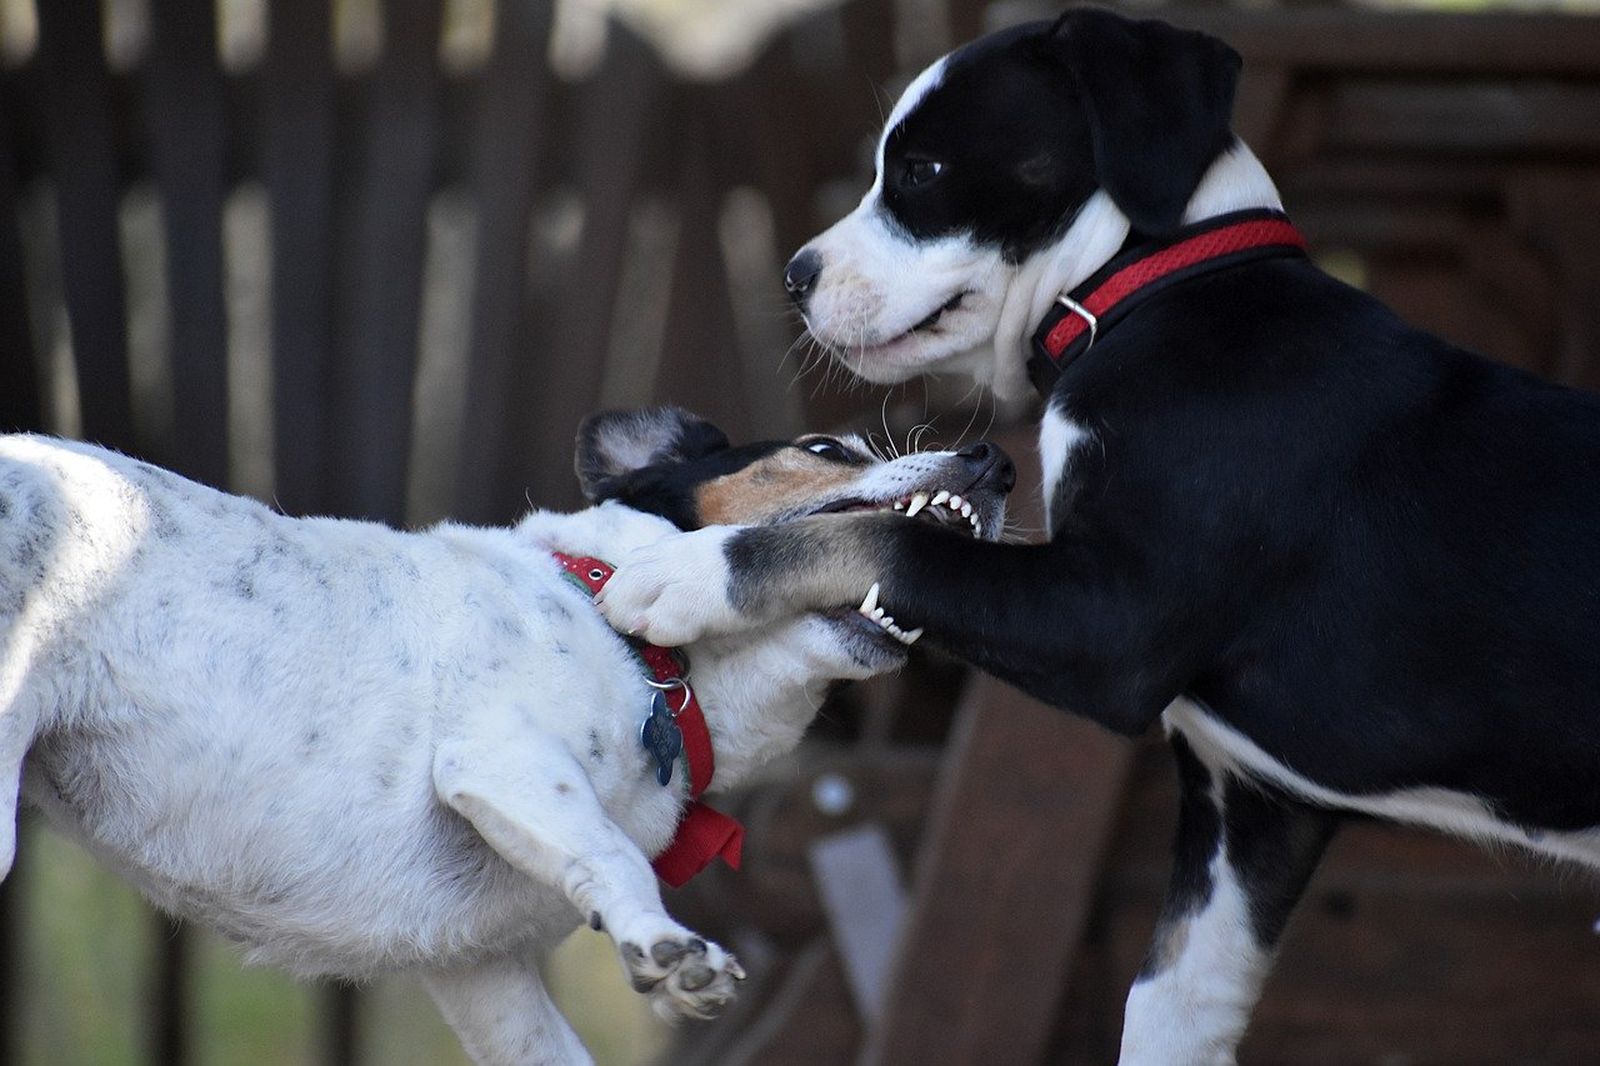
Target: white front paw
point(674, 591)
point(684, 976)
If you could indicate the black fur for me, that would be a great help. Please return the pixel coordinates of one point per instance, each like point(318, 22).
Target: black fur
point(1138, 108)
point(614, 445)
point(1373, 553)
point(653, 459)
point(1158, 101)
point(1274, 844)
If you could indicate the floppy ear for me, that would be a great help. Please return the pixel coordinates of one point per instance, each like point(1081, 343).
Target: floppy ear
point(1158, 100)
point(614, 443)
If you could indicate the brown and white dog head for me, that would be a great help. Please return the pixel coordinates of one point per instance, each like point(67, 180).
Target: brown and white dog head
point(668, 462)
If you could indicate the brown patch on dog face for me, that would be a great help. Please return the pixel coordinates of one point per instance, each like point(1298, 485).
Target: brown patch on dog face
point(789, 481)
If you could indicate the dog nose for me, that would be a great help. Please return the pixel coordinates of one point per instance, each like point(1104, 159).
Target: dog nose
point(992, 466)
point(800, 276)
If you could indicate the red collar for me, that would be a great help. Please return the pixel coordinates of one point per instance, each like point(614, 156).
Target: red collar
point(1078, 319)
point(704, 833)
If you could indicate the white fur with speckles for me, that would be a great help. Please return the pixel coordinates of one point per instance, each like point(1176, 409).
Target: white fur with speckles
point(356, 750)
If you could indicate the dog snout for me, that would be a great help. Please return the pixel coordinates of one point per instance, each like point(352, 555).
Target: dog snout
point(800, 276)
point(992, 468)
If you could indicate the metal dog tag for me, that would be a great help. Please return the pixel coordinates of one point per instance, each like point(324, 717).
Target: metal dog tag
point(661, 737)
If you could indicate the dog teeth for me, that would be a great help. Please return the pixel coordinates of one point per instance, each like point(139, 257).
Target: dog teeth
point(966, 509)
point(899, 505)
point(918, 502)
point(955, 503)
point(940, 497)
point(871, 611)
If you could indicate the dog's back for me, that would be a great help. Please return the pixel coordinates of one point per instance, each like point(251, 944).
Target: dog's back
point(237, 710)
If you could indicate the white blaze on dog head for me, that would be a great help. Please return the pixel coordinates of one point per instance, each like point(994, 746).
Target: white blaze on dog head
point(1009, 171)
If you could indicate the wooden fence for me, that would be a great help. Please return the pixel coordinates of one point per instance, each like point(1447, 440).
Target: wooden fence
point(392, 290)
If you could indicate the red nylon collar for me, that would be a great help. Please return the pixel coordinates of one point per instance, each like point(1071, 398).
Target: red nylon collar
point(1079, 319)
point(704, 833)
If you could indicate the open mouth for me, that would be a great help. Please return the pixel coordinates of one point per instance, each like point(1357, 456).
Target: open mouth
point(939, 312)
point(926, 325)
point(939, 507)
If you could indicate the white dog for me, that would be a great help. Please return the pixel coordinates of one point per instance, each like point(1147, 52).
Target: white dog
point(358, 750)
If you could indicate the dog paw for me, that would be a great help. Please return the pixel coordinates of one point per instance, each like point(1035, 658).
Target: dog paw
point(684, 976)
point(674, 591)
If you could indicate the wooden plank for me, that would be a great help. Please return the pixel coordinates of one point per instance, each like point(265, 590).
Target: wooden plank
point(1482, 118)
point(370, 421)
point(1004, 882)
point(1560, 210)
point(508, 138)
point(859, 881)
point(809, 1021)
point(1350, 38)
point(297, 134)
point(83, 162)
point(1353, 39)
point(1259, 112)
point(184, 114)
point(21, 405)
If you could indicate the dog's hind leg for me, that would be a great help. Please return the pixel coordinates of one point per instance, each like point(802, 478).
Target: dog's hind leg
point(1243, 857)
point(532, 801)
point(503, 1015)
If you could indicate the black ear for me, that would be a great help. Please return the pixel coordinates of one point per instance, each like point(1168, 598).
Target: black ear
point(1159, 101)
point(614, 443)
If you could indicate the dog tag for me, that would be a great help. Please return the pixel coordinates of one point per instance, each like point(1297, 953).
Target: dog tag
point(661, 737)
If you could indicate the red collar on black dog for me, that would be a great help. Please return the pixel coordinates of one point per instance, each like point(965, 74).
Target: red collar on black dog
point(1078, 319)
point(704, 833)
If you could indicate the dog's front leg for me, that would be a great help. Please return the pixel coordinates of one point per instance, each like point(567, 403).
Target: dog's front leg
point(1243, 857)
point(503, 1015)
point(531, 800)
point(1068, 622)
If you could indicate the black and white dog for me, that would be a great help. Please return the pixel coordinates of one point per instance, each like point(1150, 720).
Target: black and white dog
point(1349, 567)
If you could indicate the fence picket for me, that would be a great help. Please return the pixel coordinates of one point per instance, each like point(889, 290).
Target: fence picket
point(381, 280)
point(622, 119)
point(83, 163)
point(20, 401)
point(297, 130)
point(507, 161)
point(184, 115)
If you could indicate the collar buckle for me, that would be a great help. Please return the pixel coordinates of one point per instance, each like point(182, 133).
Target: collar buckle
point(1084, 313)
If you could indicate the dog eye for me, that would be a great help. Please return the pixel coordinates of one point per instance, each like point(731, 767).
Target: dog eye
point(921, 171)
point(828, 448)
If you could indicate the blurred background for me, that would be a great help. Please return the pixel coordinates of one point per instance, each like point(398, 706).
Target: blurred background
point(378, 257)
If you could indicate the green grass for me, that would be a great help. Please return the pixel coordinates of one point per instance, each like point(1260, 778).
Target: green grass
point(88, 942)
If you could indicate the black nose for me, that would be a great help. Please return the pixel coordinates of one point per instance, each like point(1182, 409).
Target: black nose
point(800, 276)
point(992, 467)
